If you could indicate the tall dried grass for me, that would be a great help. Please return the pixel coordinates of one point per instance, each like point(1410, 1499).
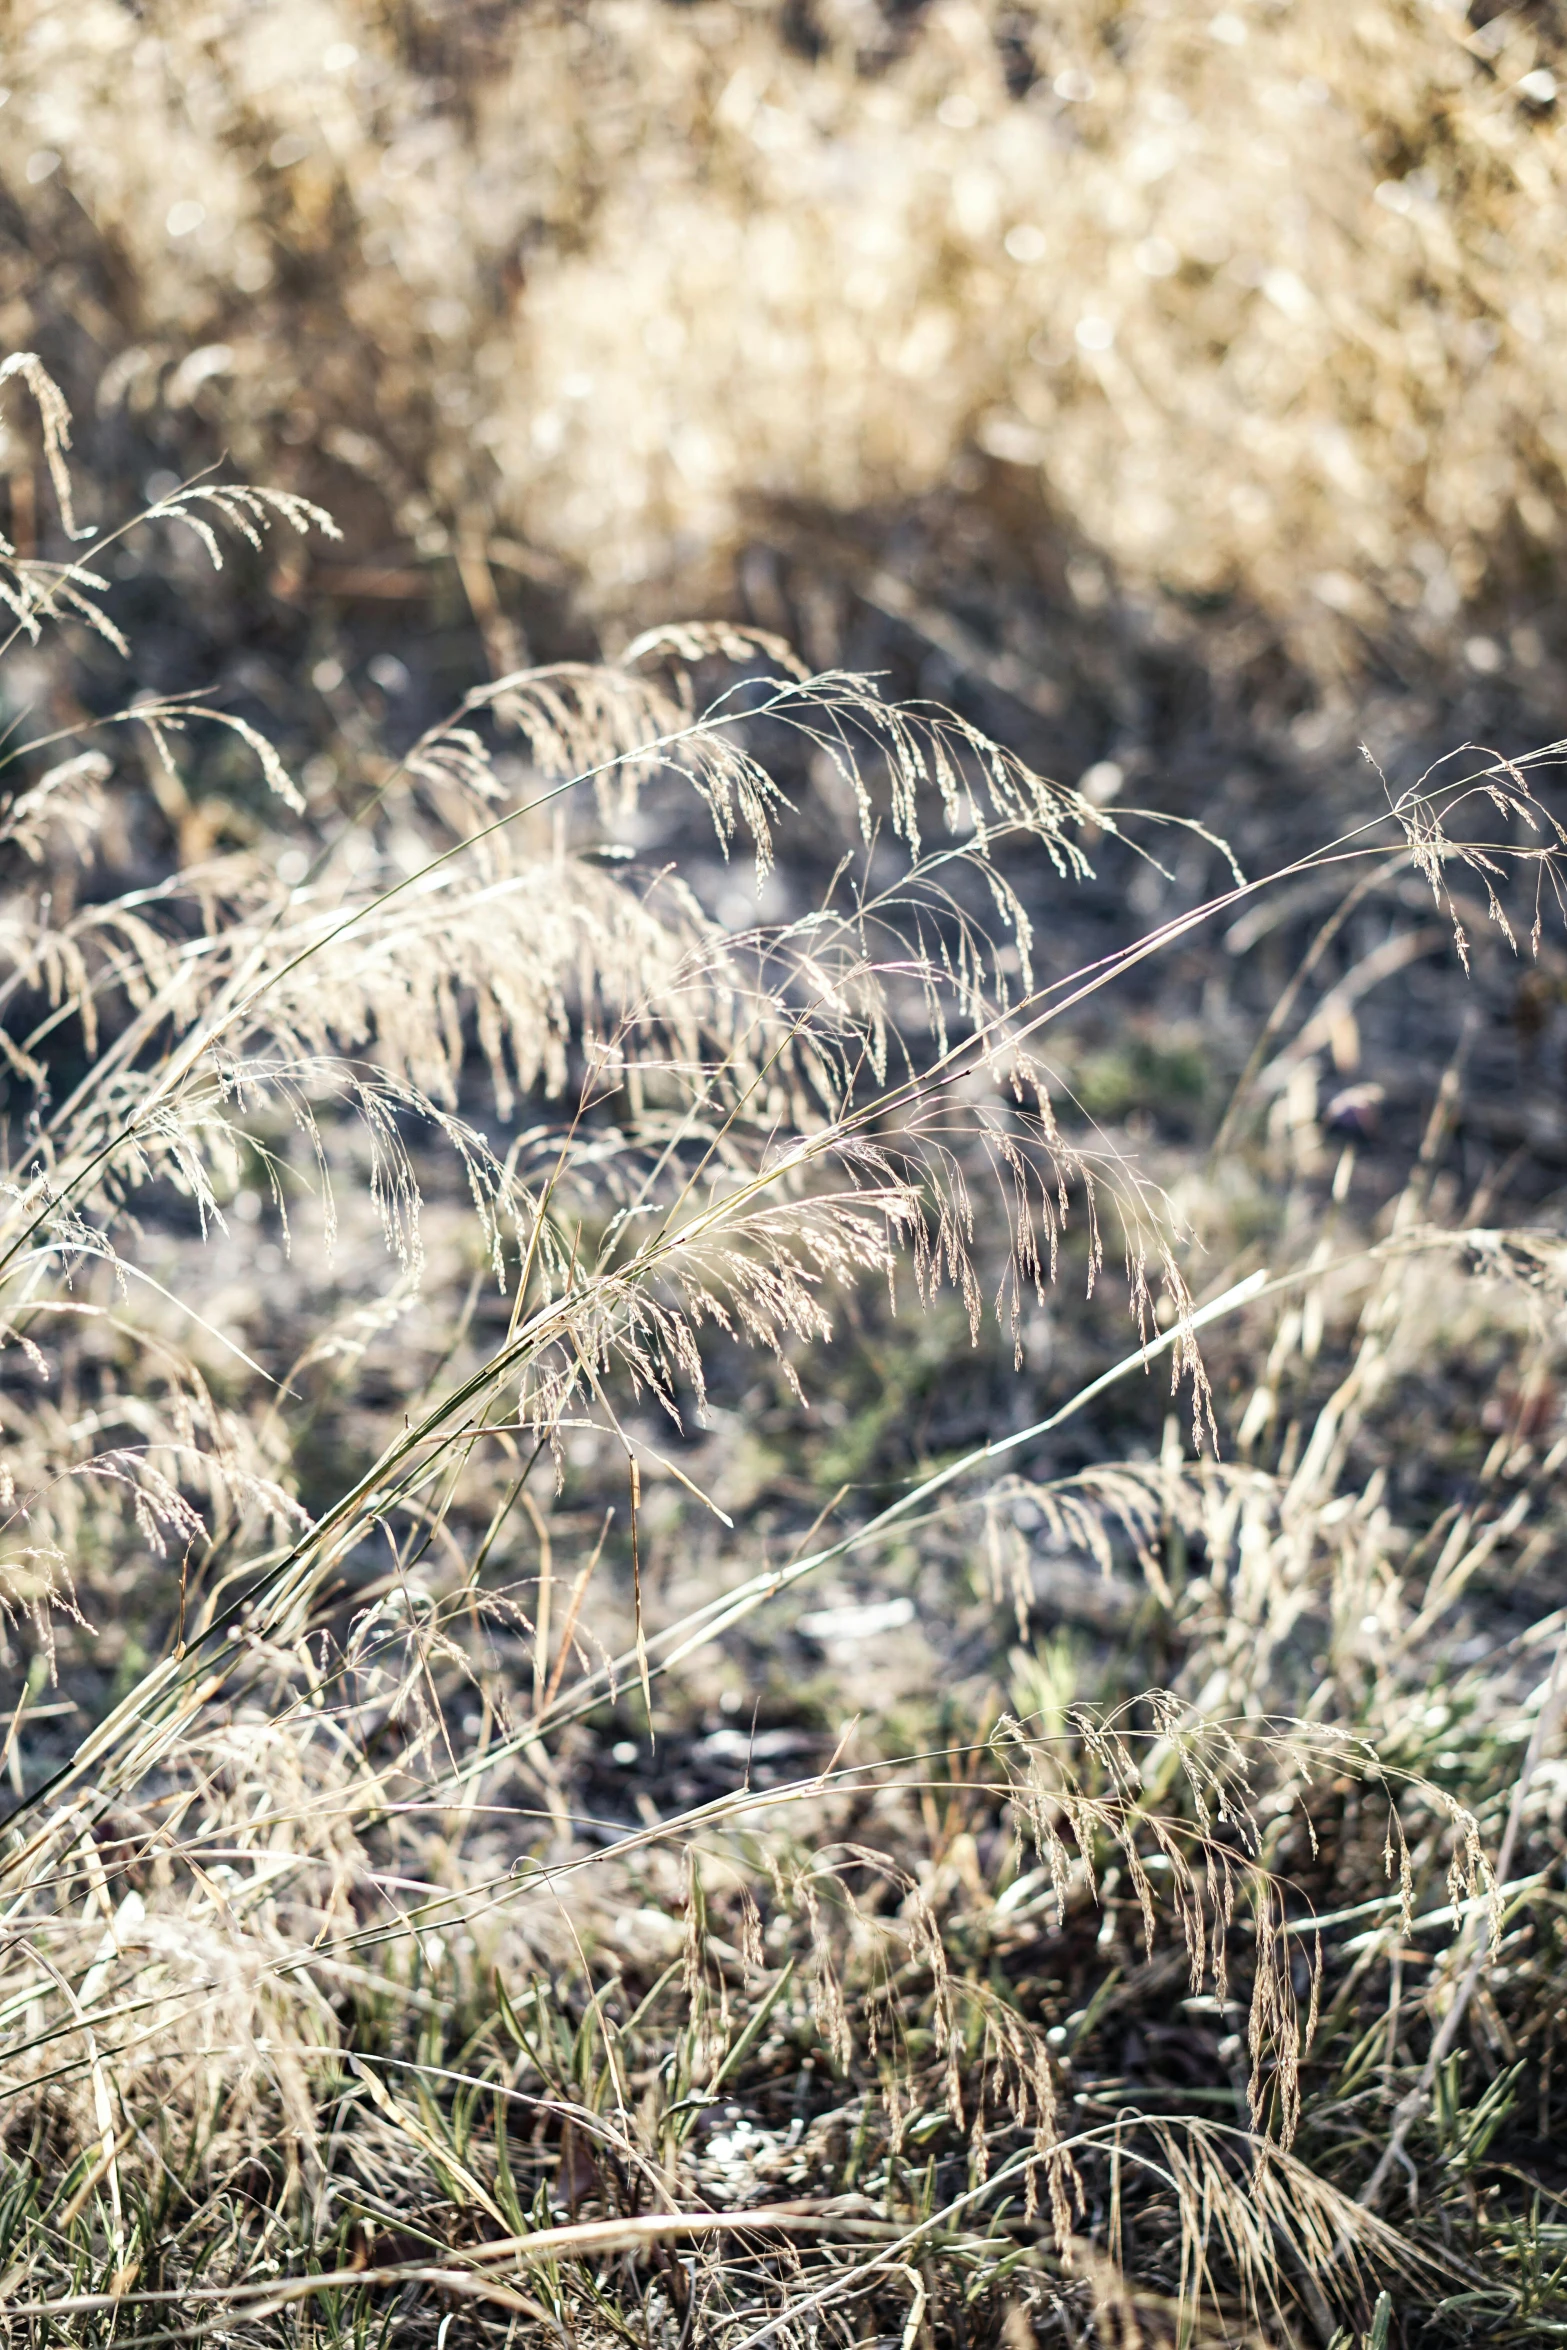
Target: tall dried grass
point(318, 1987)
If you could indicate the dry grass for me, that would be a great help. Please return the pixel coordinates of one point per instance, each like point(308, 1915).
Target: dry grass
point(351, 1984)
point(783, 1525)
point(1259, 305)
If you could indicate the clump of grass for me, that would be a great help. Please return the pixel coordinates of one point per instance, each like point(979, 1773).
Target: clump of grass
point(336, 1999)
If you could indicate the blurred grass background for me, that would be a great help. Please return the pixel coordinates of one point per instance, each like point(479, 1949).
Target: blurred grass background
point(1171, 376)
